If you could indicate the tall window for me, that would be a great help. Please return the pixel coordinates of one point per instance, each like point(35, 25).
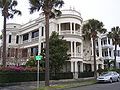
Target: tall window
point(42, 31)
point(35, 34)
point(58, 27)
point(108, 41)
point(25, 37)
point(110, 53)
point(65, 26)
point(34, 50)
point(42, 46)
point(106, 53)
point(24, 52)
point(97, 52)
point(10, 36)
point(17, 39)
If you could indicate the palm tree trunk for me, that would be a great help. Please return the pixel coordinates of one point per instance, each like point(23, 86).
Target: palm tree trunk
point(115, 56)
point(94, 55)
point(47, 50)
point(4, 42)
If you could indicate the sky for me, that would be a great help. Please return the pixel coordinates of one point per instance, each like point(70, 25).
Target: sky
point(106, 11)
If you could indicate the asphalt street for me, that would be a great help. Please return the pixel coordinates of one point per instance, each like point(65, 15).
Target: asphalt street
point(99, 86)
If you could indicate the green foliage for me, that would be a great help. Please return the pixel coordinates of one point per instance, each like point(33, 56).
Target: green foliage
point(47, 6)
point(91, 28)
point(58, 52)
point(8, 8)
point(14, 76)
point(114, 34)
point(31, 62)
point(85, 74)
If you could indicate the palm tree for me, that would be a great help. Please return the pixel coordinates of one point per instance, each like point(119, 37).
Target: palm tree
point(49, 9)
point(114, 34)
point(8, 11)
point(90, 30)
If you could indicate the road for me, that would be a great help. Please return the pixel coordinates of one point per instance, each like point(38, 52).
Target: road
point(99, 86)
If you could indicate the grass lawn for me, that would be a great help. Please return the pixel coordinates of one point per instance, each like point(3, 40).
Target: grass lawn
point(68, 85)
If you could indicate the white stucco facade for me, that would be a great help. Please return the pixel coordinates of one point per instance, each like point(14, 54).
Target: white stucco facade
point(32, 35)
point(108, 50)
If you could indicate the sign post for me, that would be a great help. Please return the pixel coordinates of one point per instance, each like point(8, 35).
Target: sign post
point(38, 58)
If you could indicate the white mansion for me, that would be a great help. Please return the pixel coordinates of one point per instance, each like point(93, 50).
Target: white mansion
point(24, 41)
point(108, 50)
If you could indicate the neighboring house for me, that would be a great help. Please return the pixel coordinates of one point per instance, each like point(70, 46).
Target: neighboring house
point(24, 41)
point(108, 50)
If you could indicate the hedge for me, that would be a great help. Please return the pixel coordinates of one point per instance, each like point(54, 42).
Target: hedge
point(7, 77)
point(85, 74)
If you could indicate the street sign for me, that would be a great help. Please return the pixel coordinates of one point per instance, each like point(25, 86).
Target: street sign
point(39, 57)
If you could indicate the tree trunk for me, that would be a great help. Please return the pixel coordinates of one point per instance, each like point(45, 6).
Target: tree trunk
point(4, 42)
point(94, 55)
point(115, 56)
point(47, 50)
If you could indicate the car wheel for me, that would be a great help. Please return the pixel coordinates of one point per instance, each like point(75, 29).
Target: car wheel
point(111, 80)
point(118, 79)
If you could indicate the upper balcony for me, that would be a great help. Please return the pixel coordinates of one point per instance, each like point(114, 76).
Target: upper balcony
point(69, 28)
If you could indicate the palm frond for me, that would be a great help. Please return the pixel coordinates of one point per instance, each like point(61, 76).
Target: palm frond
point(59, 3)
point(114, 34)
point(35, 5)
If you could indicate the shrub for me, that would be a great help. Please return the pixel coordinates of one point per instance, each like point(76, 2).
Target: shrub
point(85, 74)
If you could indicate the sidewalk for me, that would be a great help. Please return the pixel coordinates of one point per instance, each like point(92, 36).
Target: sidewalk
point(33, 85)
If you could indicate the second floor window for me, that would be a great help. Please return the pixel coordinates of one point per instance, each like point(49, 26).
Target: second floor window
point(35, 34)
point(10, 38)
point(25, 37)
point(17, 39)
point(42, 33)
point(108, 41)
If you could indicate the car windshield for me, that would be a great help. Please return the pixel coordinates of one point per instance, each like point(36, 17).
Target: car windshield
point(106, 74)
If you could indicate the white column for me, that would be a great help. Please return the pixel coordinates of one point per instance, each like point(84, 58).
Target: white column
point(59, 29)
point(74, 28)
point(110, 41)
point(92, 67)
point(71, 28)
point(76, 66)
point(21, 39)
point(30, 36)
point(92, 45)
point(75, 49)
point(39, 42)
point(81, 67)
point(71, 49)
point(99, 47)
point(102, 66)
point(97, 66)
point(112, 53)
point(81, 50)
point(72, 66)
point(108, 52)
point(76, 70)
point(29, 52)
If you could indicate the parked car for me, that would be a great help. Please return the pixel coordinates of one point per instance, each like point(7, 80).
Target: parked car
point(110, 76)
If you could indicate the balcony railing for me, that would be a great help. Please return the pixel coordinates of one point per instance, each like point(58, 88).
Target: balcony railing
point(77, 54)
point(69, 32)
point(35, 39)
